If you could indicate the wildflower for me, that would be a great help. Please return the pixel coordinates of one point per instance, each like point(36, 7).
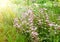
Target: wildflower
point(56, 25)
point(55, 28)
point(31, 24)
point(33, 28)
point(37, 5)
point(46, 16)
point(51, 24)
point(15, 19)
point(39, 22)
point(41, 10)
point(30, 20)
point(18, 26)
point(45, 8)
point(29, 11)
point(58, 28)
point(28, 31)
point(34, 34)
point(24, 22)
point(25, 14)
point(47, 20)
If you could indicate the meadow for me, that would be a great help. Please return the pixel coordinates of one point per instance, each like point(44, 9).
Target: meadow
point(29, 20)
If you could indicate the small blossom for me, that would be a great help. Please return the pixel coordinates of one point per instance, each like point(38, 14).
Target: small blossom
point(58, 28)
point(28, 31)
point(34, 34)
point(30, 20)
point(30, 11)
point(39, 22)
point(18, 26)
point(33, 28)
point(45, 8)
point(24, 22)
point(31, 24)
point(47, 20)
point(56, 25)
point(55, 28)
point(51, 24)
point(37, 5)
point(41, 10)
point(15, 19)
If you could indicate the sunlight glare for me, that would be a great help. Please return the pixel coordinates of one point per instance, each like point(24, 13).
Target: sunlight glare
point(3, 3)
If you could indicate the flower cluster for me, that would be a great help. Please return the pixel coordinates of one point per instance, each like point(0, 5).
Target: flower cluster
point(37, 25)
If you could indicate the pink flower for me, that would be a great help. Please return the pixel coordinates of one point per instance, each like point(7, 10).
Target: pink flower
point(51, 24)
point(34, 33)
point(33, 28)
point(16, 20)
point(30, 11)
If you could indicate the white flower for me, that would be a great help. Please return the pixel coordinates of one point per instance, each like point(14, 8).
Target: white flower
point(18, 26)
